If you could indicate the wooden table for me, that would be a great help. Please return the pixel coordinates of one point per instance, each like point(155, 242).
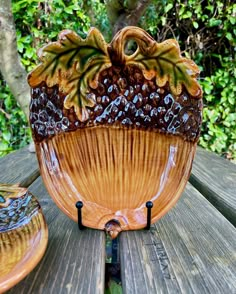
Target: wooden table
point(192, 249)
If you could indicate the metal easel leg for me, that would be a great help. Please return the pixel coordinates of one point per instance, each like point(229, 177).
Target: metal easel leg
point(79, 206)
point(149, 206)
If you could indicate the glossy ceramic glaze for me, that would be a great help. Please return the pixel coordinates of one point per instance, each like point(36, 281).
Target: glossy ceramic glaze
point(115, 130)
point(23, 234)
point(114, 180)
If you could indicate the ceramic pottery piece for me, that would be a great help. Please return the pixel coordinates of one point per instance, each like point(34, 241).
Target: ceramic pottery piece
point(23, 234)
point(115, 130)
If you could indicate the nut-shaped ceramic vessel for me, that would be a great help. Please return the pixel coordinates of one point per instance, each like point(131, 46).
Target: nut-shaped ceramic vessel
point(23, 234)
point(115, 130)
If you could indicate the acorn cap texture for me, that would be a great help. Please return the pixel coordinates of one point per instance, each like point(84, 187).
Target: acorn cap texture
point(154, 89)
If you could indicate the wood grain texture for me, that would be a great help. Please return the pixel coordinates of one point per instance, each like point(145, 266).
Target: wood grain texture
point(192, 249)
point(215, 178)
point(74, 261)
point(19, 167)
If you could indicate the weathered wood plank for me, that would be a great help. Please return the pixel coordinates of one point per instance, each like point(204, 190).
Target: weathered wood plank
point(74, 261)
point(192, 249)
point(215, 178)
point(19, 167)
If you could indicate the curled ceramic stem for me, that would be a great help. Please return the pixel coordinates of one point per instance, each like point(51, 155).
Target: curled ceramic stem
point(116, 49)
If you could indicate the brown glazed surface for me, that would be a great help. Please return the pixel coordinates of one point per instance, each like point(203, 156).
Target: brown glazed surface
point(23, 235)
point(113, 179)
point(115, 130)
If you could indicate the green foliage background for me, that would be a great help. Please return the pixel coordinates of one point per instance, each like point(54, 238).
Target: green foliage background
point(206, 31)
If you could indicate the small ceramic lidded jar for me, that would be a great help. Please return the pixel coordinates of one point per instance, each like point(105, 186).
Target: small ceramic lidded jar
point(115, 130)
point(23, 234)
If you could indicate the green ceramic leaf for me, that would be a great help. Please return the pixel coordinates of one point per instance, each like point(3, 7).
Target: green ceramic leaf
point(162, 60)
point(74, 64)
point(168, 65)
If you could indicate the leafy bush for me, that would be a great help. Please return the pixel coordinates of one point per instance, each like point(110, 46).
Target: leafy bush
point(42, 23)
point(219, 116)
point(15, 132)
point(206, 33)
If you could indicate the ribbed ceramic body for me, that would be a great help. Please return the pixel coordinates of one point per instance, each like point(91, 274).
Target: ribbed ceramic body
point(115, 171)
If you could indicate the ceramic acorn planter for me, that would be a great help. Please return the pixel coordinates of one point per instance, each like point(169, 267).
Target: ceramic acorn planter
point(115, 130)
point(23, 234)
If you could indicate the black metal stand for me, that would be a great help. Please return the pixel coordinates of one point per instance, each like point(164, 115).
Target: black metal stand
point(149, 206)
point(79, 206)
